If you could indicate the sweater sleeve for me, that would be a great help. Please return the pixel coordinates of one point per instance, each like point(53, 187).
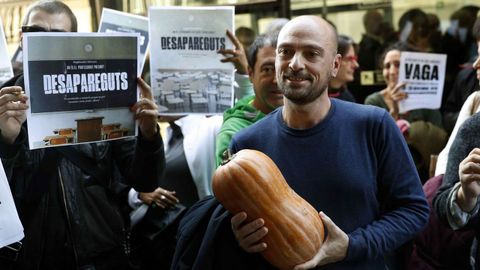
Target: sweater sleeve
point(464, 142)
point(403, 207)
point(462, 116)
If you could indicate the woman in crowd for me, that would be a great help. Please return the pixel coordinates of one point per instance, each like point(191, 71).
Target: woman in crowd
point(422, 128)
point(338, 85)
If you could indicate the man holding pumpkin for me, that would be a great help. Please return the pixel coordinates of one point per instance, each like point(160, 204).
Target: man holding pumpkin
point(376, 202)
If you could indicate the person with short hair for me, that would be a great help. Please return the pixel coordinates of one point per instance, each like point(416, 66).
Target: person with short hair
point(71, 216)
point(349, 63)
point(248, 110)
point(347, 160)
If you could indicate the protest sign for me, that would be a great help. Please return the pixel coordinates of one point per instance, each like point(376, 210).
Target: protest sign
point(11, 229)
point(80, 86)
point(114, 21)
point(424, 75)
point(186, 73)
point(6, 71)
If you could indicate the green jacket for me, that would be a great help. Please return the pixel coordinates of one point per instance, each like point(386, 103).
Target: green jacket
point(242, 115)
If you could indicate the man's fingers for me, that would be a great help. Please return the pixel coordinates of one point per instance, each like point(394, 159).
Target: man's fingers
point(329, 225)
point(234, 40)
point(256, 248)
point(255, 237)
point(145, 89)
point(227, 59)
point(237, 220)
point(250, 228)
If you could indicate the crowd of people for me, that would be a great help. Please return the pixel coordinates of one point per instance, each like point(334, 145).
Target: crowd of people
point(343, 146)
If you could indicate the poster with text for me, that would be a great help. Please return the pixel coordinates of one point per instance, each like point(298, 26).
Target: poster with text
point(11, 229)
point(80, 87)
point(424, 75)
point(114, 21)
point(6, 71)
point(186, 73)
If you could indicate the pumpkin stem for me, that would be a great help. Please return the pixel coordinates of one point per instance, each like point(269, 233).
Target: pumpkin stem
point(226, 157)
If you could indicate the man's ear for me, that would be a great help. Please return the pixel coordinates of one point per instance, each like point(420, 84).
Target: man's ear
point(250, 73)
point(336, 65)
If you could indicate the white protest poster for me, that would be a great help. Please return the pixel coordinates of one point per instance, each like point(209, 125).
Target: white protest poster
point(186, 73)
point(80, 87)
point(424, 75)
point(6, 71)
point(11, 229)
point(113, 21)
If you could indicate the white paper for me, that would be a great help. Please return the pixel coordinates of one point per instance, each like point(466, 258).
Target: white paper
point(6, 71)
point(81, 87)
point(11, 229)
point(186, 73)
point(114, 21)
point(424, 75)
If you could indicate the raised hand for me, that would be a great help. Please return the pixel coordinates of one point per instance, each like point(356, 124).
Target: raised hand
point(469, 174)
point(146, 111)
point(391, 96)
point(12, 112)
point(236, 56)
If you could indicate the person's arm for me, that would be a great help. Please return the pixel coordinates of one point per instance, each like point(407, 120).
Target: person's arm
point(142, 161)
point(243, 86)
point(404, 208)
point(460, 185)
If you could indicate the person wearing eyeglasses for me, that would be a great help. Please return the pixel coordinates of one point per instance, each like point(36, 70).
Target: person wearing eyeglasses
point(43, 18)
point(71, 215)
point(338, 85)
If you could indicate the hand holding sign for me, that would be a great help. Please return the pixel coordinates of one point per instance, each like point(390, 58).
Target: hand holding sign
point(237, 56)
point(146, 111)
point(391, 96)
point(12, 112)
point(425, 75)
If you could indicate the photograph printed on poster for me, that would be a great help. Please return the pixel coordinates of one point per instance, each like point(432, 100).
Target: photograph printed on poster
point(187, 75)
point(80, 87)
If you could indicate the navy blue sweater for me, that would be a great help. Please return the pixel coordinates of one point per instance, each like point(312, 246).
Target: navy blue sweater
point(355, 166)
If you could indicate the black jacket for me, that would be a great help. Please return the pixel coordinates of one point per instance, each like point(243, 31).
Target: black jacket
point(206, 241)
point(89, 206)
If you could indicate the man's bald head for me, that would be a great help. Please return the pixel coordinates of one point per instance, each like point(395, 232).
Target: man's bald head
point(306, 59)
point(318, 27)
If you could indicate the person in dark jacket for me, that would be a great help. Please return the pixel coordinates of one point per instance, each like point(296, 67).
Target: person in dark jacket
point(71, 215)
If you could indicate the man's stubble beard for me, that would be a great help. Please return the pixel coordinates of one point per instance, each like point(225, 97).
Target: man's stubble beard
point(302, 96)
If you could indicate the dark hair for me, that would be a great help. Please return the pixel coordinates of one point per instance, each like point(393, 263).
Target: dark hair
point(344, 43)
point(476, 29)
point(415, 16)
point(245, 35)
point(398, 46)
point(52, 7)
point(261, 41)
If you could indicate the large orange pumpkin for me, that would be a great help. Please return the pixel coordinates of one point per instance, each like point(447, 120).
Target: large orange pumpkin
point(250, 181)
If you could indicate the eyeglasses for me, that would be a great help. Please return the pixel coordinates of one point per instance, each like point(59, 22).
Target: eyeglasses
point(350, 58)
point(36, 28)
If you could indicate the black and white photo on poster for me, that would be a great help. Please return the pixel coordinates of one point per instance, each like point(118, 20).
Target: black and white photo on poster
point(80, 87)
point(187, 75)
